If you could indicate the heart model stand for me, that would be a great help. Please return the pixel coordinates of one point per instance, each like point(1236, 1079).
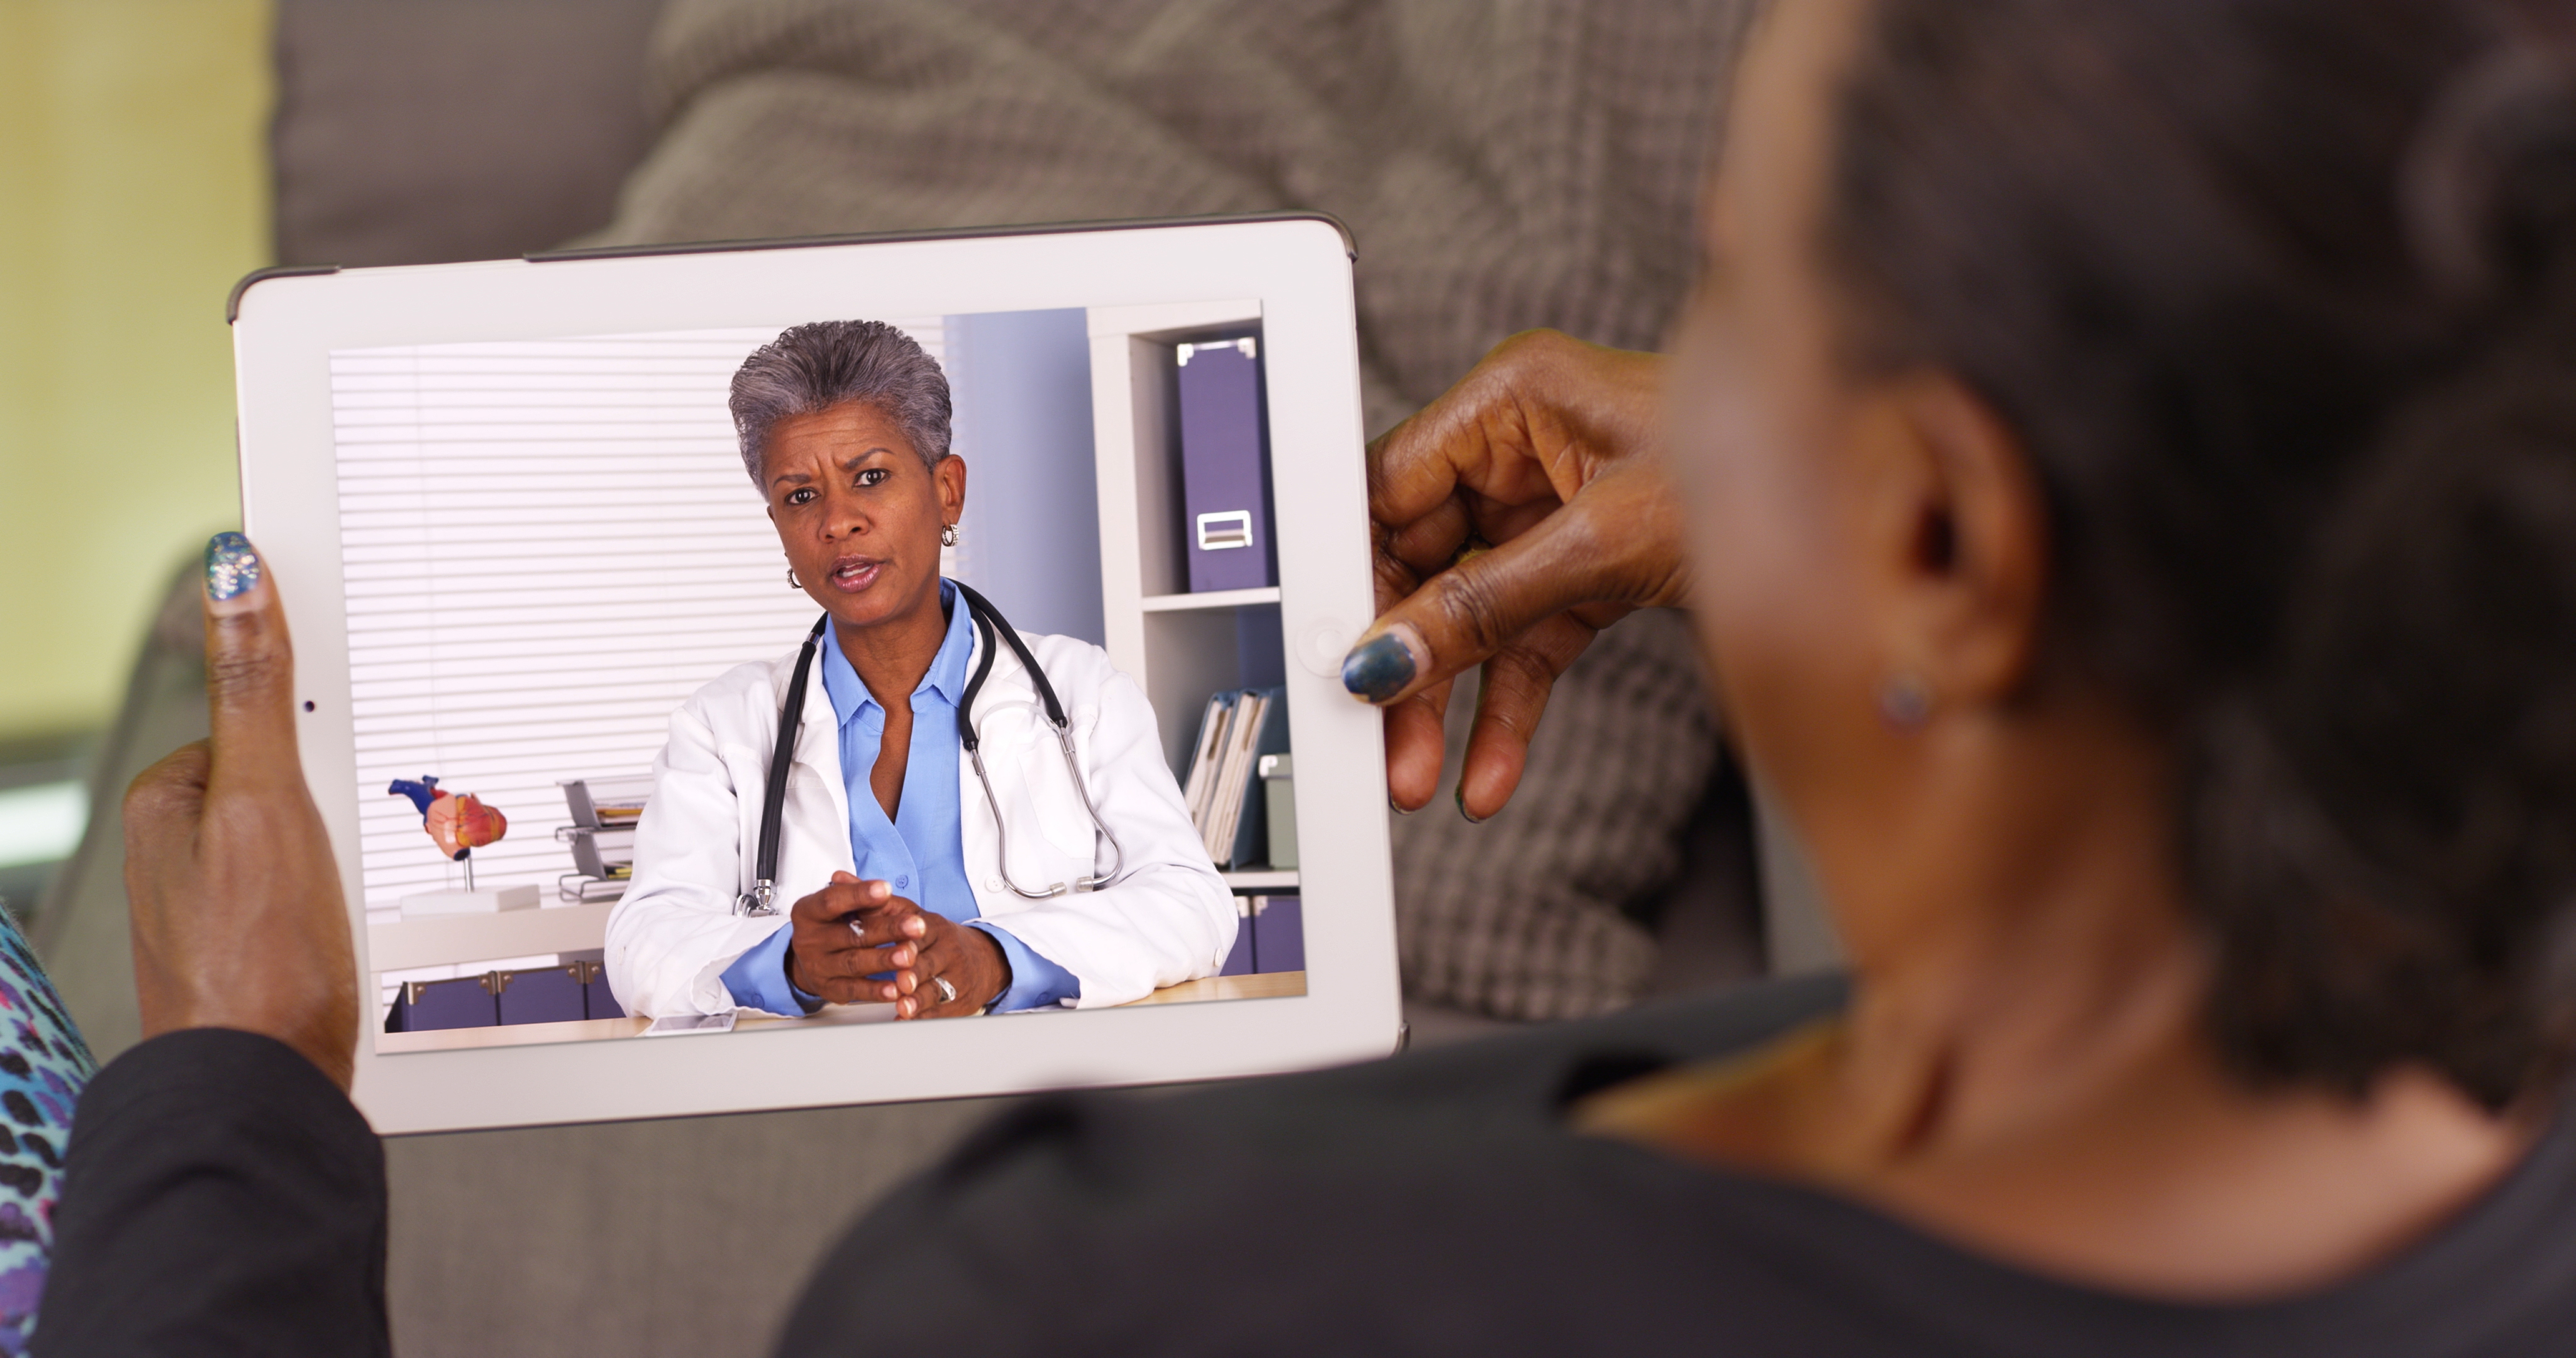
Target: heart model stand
point(459, 825)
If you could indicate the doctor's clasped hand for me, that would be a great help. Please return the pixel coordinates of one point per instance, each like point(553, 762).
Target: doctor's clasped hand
point(855, 942)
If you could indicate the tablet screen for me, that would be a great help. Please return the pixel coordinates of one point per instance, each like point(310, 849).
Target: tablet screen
point(572, 616)
point(549, 616)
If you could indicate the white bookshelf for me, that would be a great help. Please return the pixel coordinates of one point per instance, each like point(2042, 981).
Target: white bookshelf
point(1179, 646)
point(1215, 598)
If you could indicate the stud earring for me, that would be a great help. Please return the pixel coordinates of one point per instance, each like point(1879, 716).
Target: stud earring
point(792, 581)
point(1904, 702)
point(947, 535)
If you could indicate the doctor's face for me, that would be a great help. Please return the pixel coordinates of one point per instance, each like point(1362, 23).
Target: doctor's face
point(858, 513)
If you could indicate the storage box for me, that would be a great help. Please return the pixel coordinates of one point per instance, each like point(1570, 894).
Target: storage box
point(1279, 796)
point(427, 1006)
point(540, 994)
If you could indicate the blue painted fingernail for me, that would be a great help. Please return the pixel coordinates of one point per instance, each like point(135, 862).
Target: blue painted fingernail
point(1378, 669)
point(232, 566)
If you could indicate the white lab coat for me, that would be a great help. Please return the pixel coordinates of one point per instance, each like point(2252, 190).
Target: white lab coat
point(1166, 918)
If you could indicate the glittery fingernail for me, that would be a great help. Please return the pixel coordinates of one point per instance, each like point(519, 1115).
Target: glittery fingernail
point(232, 566)
point(1379, 668)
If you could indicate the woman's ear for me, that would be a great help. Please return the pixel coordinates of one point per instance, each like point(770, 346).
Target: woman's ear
point(951, 476)
point(1956, 540)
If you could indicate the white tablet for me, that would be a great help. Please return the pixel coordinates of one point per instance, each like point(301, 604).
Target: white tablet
point(545, 620)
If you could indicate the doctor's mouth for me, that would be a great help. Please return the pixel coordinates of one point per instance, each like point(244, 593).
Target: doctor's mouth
point(853, 574)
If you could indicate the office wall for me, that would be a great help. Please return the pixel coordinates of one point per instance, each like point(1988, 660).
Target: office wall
point(1031, 532)
point(132, 194)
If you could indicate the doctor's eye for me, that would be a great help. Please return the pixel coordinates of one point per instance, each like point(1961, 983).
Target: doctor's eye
point(803, 495)
point(874, 476)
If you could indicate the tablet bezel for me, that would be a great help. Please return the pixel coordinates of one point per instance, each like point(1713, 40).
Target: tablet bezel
point(286, 325)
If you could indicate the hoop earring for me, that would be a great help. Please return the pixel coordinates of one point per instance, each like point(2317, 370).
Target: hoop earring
point(1904, 702)
point(947, 535)
point(792, 581)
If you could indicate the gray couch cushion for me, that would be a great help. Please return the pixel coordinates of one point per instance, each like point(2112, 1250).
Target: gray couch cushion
point(421, 131)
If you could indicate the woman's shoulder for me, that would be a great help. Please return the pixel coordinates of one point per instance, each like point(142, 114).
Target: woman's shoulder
point(1439, 1203)
point(1071, 662)
point(1245, 1198)
point(752, 681)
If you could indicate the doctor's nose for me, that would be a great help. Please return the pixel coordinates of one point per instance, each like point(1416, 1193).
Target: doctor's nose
point(841, 523)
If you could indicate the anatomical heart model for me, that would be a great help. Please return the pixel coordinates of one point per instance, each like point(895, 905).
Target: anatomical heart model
point(459, 824)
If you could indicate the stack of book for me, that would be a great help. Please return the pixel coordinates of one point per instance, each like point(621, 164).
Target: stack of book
point(1224, 790)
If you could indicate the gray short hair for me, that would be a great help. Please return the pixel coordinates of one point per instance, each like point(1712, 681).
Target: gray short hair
point(814, 367)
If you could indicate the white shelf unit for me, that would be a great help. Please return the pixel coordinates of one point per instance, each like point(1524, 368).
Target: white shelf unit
point(1219, 598)
point(1179, 646)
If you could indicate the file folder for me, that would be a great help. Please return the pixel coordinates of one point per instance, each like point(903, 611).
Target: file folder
point(1223, 789)
point(1225, 467)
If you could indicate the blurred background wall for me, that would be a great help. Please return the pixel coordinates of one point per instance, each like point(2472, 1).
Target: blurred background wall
point(133, 192)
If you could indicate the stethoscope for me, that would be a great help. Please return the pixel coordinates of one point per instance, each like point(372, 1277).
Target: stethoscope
point(761, 899)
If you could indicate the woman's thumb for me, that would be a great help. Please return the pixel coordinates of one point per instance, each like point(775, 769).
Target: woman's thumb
point(250, 665)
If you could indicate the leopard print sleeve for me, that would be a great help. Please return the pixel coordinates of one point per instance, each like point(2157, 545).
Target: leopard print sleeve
point(43, 1067)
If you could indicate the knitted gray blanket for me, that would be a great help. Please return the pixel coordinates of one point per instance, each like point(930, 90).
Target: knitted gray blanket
point(1504, 164)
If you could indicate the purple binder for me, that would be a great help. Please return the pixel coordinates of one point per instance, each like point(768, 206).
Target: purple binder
point(1225, 468)
point(1238, 960)
point(1278, 934)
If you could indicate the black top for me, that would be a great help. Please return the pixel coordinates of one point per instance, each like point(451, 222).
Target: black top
point(221, 1197)
point(1436, 1204)
point(1430, 1204)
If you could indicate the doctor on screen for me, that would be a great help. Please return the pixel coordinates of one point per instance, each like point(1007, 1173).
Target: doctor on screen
point(1037, 854)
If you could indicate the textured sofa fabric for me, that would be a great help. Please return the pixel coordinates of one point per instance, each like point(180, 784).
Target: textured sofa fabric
point(422, 131)
point(1502, 166)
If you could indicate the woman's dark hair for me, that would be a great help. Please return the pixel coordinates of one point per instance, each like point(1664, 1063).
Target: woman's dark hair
point(2281, 297)
point(814, 367)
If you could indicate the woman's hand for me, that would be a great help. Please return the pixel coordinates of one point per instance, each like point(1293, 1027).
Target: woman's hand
point(234, 896)
point(856, 941)
point(1546, 454)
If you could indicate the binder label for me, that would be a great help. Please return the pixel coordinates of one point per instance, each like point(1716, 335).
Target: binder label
point(1219, 532)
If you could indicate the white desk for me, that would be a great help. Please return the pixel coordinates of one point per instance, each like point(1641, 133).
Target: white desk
point(445, 940)
point(1269, 986)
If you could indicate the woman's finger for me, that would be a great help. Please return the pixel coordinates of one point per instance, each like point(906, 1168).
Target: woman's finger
point(1517, 682)
point(884, 927)
point(842, 897)
point(1476, 608)
point(1417, 742)
point(250, 671)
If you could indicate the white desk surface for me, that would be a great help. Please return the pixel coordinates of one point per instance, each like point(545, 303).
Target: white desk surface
point(1270, 985)
point(440, 940)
